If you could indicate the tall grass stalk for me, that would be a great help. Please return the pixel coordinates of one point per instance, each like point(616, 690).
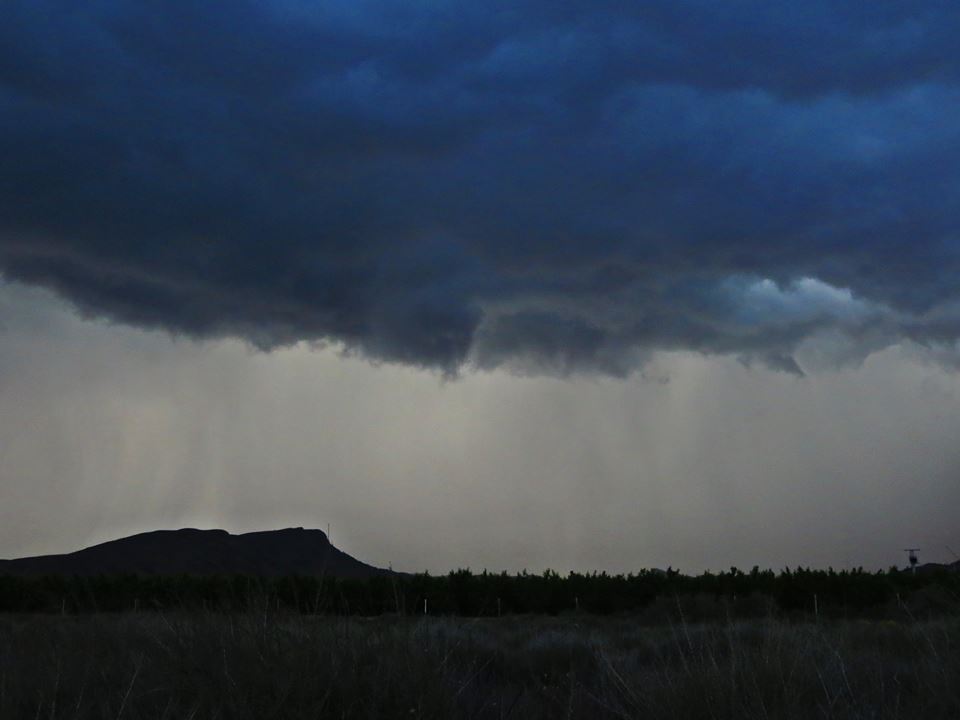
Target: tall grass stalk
point(267, 664)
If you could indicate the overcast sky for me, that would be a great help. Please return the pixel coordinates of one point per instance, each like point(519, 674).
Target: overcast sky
point(503, 284)
point(703, 463)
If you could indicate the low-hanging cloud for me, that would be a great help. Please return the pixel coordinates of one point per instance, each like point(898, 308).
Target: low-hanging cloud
point(549, 187)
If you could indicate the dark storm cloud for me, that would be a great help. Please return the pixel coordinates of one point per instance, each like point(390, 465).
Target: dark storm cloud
point(547, 186)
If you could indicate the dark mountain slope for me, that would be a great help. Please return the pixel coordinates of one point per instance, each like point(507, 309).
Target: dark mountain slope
point(935, 568)
point(293, 551)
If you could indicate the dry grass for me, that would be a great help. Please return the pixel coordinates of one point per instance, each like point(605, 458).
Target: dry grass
point(283, 666)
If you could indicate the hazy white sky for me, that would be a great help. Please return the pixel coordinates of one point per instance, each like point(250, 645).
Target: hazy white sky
point(697, 463)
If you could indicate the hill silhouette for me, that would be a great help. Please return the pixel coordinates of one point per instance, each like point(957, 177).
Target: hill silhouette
point(928, 568)
point(272, 553)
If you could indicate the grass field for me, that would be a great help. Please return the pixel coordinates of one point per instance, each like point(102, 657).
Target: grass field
point(147, 665)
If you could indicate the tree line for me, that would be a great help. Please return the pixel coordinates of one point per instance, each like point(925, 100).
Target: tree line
point(657, 595)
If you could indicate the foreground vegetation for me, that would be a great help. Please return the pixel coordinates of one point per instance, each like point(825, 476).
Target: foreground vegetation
point(798, 644)
point(282, 665)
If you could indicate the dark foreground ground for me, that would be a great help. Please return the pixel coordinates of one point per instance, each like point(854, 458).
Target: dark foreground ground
point(285, 666)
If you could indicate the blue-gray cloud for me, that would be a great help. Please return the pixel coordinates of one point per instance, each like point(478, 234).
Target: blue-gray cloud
point(548, 186)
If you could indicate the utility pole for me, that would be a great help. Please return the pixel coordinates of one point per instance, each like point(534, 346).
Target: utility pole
point(912, 557)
